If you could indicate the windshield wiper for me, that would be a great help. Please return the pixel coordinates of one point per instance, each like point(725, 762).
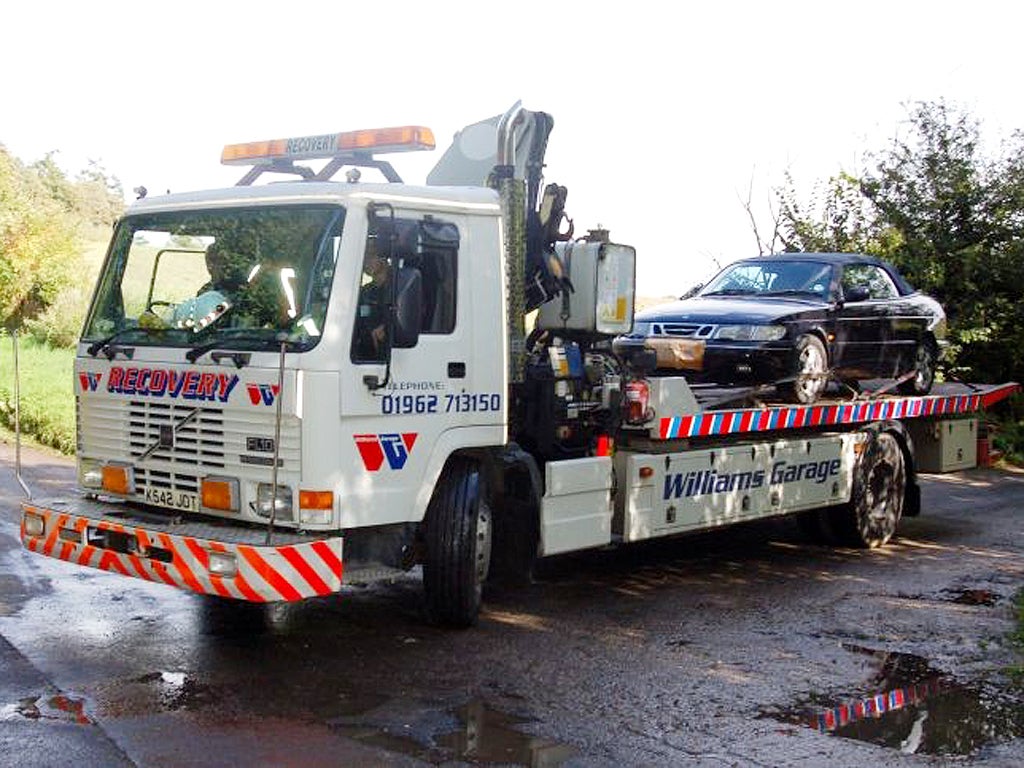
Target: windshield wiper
point(245, 335)
point(103, 344)
point(793, 292)
point(730, 292)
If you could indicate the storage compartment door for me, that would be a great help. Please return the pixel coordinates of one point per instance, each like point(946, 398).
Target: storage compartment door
point(576, 511)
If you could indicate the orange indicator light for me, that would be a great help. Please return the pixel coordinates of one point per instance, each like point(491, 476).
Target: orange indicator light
point(117, 478)
point(316, 500)
point(220, 493)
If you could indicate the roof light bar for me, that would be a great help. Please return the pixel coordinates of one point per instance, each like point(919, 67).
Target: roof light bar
point(408, 138)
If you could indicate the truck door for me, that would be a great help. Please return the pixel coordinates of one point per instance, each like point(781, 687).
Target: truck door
point(395, 416)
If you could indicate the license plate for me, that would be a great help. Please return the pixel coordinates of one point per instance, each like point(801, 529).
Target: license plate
point(163, 497)
point(685, 354)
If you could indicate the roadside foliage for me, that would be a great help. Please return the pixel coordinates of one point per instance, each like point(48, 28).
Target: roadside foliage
point(951, 216)
point(52, 233)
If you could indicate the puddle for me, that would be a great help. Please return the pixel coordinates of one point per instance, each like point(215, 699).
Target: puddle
point(489, 736)
point(176, 690)
point(482, 736)
point(915, 709)
point(60, 707)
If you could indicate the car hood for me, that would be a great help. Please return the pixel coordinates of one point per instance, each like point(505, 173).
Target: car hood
point(730, 309)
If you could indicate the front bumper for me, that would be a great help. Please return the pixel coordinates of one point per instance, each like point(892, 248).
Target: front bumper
point(228, 561)
point(721, 362)
point(737, 362)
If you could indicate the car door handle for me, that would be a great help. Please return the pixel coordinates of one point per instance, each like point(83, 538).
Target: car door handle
point(456, 370)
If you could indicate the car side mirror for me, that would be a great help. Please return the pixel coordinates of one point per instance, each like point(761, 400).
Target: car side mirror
point(408, 317)
point(856, 293)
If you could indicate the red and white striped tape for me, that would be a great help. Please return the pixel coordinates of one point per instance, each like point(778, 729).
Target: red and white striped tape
point(264, 574)
point(747, 420)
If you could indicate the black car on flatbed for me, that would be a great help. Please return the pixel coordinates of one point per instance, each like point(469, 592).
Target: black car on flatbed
point(798, 320)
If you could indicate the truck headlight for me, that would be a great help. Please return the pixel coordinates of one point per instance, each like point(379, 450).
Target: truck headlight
point(90, 473)
point(750, 332)
point(265, 498)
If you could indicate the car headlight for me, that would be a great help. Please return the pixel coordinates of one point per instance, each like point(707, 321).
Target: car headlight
point(750, 332)
point(641, 329)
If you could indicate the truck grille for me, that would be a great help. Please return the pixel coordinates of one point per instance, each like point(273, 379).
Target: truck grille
point(199, 440)
point(173, 445)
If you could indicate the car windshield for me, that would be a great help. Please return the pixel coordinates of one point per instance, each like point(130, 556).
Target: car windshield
point(238, 275)
point(773, 278)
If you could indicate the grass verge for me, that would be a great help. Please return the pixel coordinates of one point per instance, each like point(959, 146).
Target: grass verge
point(47, 392)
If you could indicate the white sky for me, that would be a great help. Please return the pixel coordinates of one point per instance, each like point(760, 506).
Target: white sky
point(665, 113)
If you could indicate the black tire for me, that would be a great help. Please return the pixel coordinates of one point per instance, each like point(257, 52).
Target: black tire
point(924, 371)
point(876, 500)
point(809, 373)
point(514, 548)
point(458, 544)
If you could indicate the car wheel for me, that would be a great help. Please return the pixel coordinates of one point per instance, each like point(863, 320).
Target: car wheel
point(924, 372)
point(810, 370)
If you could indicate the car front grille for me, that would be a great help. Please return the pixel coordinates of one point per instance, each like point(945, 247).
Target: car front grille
point(683, 330)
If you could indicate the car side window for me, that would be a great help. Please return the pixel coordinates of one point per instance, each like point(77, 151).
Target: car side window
point(872, 277)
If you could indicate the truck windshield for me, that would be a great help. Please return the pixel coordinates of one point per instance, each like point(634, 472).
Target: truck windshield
point(238, 275)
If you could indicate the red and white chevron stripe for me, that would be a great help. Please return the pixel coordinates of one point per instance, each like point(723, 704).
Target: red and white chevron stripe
point(265, 574)
point(749, 420)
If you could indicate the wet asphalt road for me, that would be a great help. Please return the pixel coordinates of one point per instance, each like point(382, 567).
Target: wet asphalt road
point(706, 651)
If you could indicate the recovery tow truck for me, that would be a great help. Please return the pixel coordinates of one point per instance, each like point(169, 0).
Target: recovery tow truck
point(359, 392)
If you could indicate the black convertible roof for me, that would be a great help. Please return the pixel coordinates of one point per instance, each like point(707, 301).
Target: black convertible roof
point(837, 259)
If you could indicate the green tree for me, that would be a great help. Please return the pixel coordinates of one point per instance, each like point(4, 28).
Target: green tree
point(949, 217)
point(837, 218)
point(36, 242)
point(99, 195)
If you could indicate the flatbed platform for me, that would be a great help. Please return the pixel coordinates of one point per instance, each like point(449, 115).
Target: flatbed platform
point(869, 405)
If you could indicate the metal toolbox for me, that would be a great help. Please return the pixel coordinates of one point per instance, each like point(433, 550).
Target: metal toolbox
point(945, 445)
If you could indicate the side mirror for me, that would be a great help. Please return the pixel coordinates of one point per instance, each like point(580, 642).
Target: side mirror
point(856, 293)
point(408, 317)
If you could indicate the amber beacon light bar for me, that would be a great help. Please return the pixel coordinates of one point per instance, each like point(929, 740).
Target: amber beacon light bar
point(409, 138)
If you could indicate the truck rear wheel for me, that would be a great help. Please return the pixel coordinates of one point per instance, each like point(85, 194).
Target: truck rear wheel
point(458, 544)
point(876, 500)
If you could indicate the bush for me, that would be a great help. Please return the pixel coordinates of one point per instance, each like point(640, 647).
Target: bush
point(1006, 427)
point(61, 323)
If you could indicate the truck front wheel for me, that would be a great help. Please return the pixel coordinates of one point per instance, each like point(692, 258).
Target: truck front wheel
point(876, 500)
point(458, 544)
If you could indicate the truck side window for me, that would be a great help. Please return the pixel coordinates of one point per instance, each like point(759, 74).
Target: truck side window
point(437, 261)
point(429, 245)
point(369, 341)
